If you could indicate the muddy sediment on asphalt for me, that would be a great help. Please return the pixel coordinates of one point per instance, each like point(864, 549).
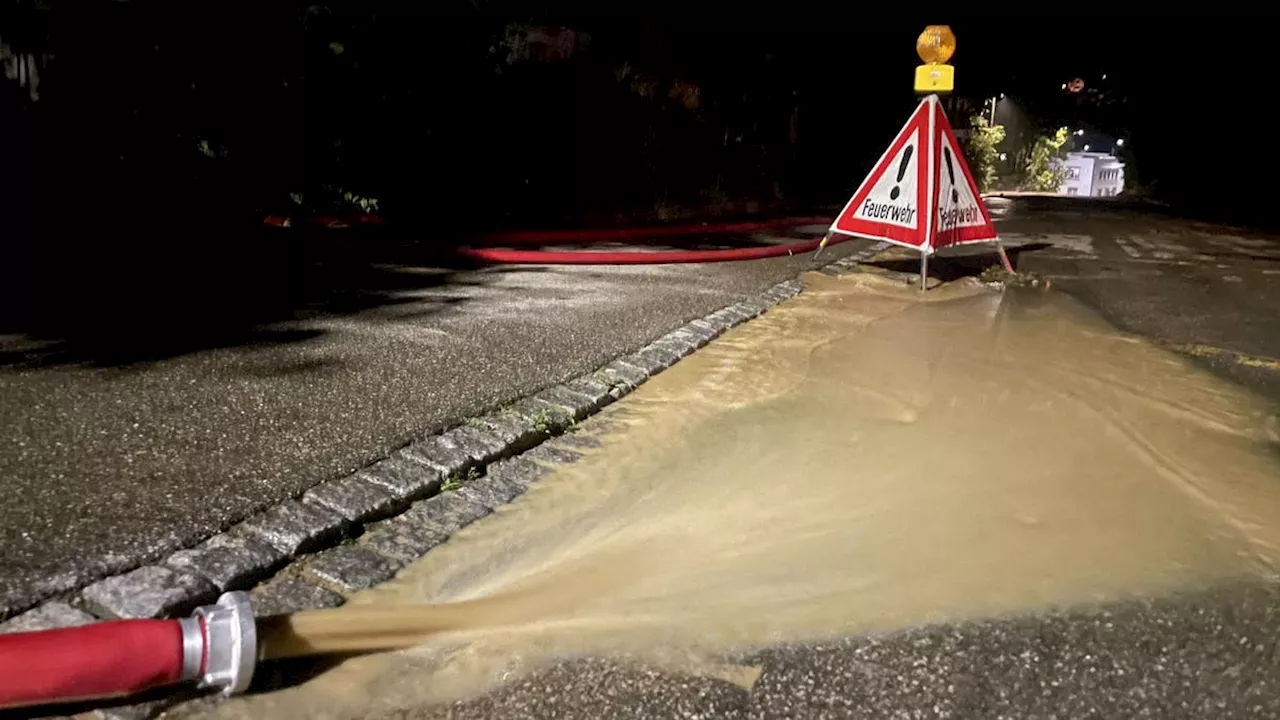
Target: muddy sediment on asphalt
point(861, 459)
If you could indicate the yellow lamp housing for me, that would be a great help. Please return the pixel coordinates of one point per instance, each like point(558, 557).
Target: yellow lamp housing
point(936, 44)
point(935, 78)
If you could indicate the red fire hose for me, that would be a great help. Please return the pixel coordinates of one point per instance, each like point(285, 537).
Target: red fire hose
point(621, 234)
point(90, 663)
point(636, 257)
point(639, 257)
point(216, 646)
point(501, 255)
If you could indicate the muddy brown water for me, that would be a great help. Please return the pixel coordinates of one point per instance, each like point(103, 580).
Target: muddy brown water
point(860, 459)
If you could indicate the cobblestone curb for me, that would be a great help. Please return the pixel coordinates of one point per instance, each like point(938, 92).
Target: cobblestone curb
point(349, 534)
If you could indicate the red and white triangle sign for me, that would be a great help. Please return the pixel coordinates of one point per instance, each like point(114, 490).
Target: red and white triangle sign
point(921, 193)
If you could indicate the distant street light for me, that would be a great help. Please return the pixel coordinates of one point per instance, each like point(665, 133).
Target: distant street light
point(1120, 142)
point(1080, 132)
point(1086, 148)
point(995, 99)
point(1004, 156)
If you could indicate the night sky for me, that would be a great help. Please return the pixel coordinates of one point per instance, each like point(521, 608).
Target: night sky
point(417, 110)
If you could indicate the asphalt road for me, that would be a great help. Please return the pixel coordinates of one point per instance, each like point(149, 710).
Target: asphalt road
point(122, 439)
point(1214, 652)
point(1202, 289)
point(1210, 654)
point(1198, 288)
point(1207, 653)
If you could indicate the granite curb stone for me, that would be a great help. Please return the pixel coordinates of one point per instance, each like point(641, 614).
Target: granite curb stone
point(355, 499)
point(705, 333)
point(438, 455)
point(725, 319)
point(288, 595)
point(678, 347)
point(448, 511)
point(404, 539)
point(553, 454)
point(516, 431)
point(587, 401)
point(519, 470)
point(629, 375)
point(682, 336)
point(596, 391)
point(294, 527)
point(234, 560)
point(547, 418)
point(574, 405)
point(150, 591)
point(491, 492)
point(481, 446)
point(577, 441)
point(705, 325)
point(405, 479)
point(669, 354)
point(351, 568)
point(649, 360)
point(49, 616)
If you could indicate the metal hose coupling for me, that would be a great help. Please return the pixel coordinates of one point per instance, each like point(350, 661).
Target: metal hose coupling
point(220, 644)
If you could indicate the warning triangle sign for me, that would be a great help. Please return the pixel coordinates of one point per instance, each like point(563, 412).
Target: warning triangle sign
point(921, 193)
point(891, 203)
point(961, 216)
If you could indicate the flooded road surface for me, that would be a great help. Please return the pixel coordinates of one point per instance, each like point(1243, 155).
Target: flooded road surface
point(861, 459)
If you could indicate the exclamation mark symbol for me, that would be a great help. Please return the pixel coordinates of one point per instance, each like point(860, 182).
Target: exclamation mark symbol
point(902, 171)
point(951, 173)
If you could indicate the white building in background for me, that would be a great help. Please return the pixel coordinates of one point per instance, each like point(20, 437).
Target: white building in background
point(1091, 174)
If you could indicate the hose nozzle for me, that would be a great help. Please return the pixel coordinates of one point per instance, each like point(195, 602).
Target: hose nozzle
point(222, 639)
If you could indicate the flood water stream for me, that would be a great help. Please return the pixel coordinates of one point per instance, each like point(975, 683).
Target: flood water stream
point(860, 459)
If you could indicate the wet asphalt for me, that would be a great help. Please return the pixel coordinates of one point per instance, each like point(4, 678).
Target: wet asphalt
point(110, 456)
point(1213, 653)
point(132, 439)
point(1205, 290)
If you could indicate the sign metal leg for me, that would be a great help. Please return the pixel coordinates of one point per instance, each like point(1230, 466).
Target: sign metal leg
point(1004, 257)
